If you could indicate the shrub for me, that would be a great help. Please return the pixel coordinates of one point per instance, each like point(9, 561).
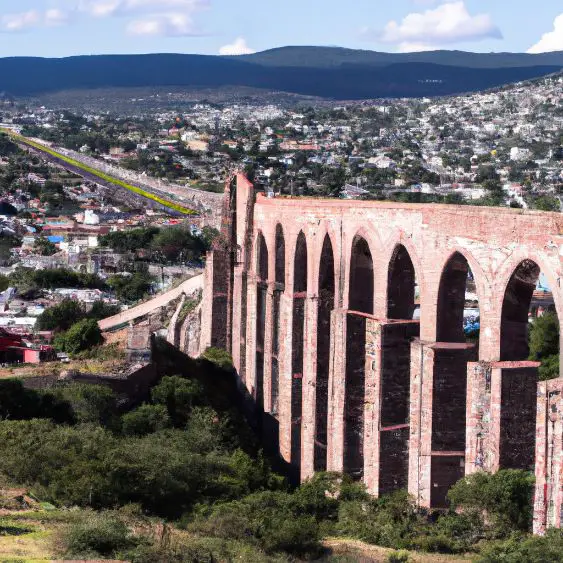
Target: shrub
point(544, 337)
point(266, 519)
point(179, 395)
point(549, 368)
point(83, 335)
point(60, 317)
point(145, 420)
point(175, 554)
point(531, 549)
point(398, 557)
point(505, 498)
point(98, 535)
point(320, 496)
point(221, 358)
point(95, 404)
point(103, 353)
point(19, 403)
point(389, 521)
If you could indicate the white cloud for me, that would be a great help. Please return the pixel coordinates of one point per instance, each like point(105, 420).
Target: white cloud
point(170, 18)
point(238, 47)
point(169, 25)
point(446, 24)
point(100, 8)
point(551, 41)
point(23, 21)
point(55, 17)
point(408, 47)
point(103, 8)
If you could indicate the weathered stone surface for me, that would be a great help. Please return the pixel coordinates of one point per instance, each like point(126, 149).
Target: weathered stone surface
point(314, 298)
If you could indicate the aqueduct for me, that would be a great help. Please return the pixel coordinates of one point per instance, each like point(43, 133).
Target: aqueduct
point(315, 298)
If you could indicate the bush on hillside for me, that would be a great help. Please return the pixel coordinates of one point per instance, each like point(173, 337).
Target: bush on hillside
point(504, 497)
point(60, 317)
point(19, 403)
point(98, 535)
point(95, 404)
point(267, 519)
point(221, 358)
point(528, 549)
point(81, 336)
point(144, 420)
point(389, 521)
point(179, 396)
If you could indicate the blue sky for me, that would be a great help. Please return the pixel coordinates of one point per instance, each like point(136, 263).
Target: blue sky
point(56, 28)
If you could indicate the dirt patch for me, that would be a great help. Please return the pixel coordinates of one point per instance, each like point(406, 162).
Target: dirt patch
point(366, 553)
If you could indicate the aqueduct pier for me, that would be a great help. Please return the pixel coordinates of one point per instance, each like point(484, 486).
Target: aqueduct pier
point(315, 298)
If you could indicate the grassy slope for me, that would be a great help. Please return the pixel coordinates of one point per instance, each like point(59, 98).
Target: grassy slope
point(99, 174)
point(40, 531)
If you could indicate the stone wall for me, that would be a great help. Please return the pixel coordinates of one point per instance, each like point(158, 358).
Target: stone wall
point(401, 402)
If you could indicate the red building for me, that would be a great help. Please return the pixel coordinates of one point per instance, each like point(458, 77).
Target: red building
point(14, 349)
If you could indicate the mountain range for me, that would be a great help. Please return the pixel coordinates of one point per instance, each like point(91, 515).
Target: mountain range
point(328, 72)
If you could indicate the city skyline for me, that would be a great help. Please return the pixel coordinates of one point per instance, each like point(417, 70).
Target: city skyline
point(58, 28)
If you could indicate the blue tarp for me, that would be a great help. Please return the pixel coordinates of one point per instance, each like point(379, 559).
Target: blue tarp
point(55, 239)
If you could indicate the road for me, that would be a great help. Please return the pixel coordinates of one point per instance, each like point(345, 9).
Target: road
point(188, 287)
point(99, 176)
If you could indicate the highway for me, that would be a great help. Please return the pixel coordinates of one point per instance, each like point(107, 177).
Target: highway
point(99, 176)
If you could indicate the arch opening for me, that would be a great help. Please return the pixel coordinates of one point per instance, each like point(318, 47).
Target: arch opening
point(458, 315)
point(325, 306)
point(529, 331)
point(361, 277)
point(297, 355)
point(401, 285)
point(394, 343)
point(457, 335)
point(516, 307)
point(261, 297)
point(279, 288)
point(360, 300)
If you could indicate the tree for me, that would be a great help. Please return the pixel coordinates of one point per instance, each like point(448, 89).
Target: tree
point(221, 358)
point(178, 244)
point(45, 247)
point(101, 310)
point(487, 172)
point(505, 497)
point(131, 288)
point(4, 282)
point(83, 335)
point(547, 203)
point(144, 420)
point(89, 403)
point(129, 241)
point(544, 344)
point(60, 317)
point(333, 179)
point(179, 395)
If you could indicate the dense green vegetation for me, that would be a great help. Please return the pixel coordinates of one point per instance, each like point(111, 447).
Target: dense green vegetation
point(69, 311)
point(76, 329)
point(166, 245)
point(187, 456)
point(544, 344)
point(81, 336)
point(131, 287)
point(30, 281)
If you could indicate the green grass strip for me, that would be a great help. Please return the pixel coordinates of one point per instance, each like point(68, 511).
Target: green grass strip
point(99, 174)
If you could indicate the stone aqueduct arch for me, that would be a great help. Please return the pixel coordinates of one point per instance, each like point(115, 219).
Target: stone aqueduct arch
point(321, 332)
